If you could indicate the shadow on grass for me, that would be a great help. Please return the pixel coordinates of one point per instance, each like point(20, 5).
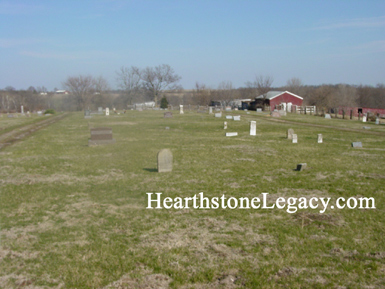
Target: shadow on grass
point(151, 170)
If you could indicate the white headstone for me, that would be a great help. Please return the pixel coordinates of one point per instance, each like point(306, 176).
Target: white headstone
point(228, 108)
point(357, 144)
point(295, 138)
point(164, 161)
point(364, 118)
point(259, 109)
point(225, 125)
point(290, 133)
point(377, 120)
point(328, 116)
point(320, 138)
point(210, 109)
point(107, 111)
point(22, 109)
point(253, 127)
point(181, 109)
point(231, 133)
point(218, 114)
point(229, 117)
point(237, 117)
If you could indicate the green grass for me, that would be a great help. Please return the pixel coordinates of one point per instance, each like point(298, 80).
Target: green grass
point(75, 216)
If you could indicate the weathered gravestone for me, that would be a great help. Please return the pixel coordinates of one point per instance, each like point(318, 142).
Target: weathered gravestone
point(181, 109)
point(210, 110)
point(320, 140)
point(357, 144)
point(229, 117)
point(275, 114)
point(377, 120)
point(107, 111)
point(87, 114)
point(219, 114)
point(164, 161)
point(22, 109)
point(231, 133)
point(259, 109)
point(237, 117)
point(100, 110)
point(364, 118)
point(366, 127)
point(101, 136)
point(328, 116)
point(290, 133)
point(167, 114)
point(301, 167)
point(282, 112)
point(295, 138)
point(228, 108)
point(253, 127)
point(225, 125)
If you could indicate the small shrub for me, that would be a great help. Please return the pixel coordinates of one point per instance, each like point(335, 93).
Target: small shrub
point(50, 111)
point(163, 102)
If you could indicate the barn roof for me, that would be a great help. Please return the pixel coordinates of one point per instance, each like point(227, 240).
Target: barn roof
point(273, 94)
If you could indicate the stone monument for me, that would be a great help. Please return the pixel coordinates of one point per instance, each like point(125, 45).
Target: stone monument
point(253, 127)
point(164, 161)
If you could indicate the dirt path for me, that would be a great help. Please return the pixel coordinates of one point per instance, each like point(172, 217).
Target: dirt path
point(19, 133)
point(366, 131)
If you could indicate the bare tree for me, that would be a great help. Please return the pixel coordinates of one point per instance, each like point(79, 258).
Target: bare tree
point(263, 84)
point(129, 80)
point(225, 92)
point(158, 79)
point(294, 85)
point(101, 95)
point(346, 95)
point(82, 89)
point(201, 94)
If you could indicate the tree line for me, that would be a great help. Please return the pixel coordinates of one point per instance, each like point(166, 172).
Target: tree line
point(136, 85)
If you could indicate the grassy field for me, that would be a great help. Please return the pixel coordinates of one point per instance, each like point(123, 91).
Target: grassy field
point(74, 216)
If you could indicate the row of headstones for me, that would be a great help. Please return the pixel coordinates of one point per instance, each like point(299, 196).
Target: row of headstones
point(294, 137)
point(253, 129)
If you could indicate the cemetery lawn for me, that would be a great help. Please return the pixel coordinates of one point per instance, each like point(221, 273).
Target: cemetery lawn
point(74, 216)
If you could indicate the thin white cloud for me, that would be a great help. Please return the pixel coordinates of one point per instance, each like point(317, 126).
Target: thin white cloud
point(17, 42)
point(354, 23)
point(373, 46)
point(12, 8)
point(77, 55)
point(50, 55)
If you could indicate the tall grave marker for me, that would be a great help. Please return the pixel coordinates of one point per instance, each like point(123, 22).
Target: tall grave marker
point(164, 161)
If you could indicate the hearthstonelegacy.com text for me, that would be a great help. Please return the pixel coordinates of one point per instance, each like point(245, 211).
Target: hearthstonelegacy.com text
point(291, 204)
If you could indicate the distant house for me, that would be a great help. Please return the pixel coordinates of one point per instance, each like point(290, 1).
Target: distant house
point(61, 92)
point(276, 100)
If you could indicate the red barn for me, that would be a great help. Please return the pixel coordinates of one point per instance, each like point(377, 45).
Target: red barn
point(285, 99)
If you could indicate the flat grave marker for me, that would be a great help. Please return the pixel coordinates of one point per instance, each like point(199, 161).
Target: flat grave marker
point(357, 144)
point(101, 136)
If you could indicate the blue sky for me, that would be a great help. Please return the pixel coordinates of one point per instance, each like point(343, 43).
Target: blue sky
point(44, 42)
